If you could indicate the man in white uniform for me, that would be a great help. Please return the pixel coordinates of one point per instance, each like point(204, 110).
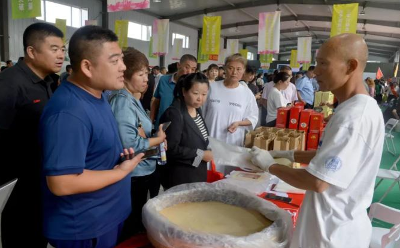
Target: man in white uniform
point(341, 174)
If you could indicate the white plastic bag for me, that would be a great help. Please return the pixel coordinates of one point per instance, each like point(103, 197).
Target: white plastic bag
point(226, 154)
point(165, 234)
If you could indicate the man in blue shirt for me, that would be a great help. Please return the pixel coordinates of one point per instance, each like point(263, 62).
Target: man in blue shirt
point(305, 89)
point(86, 188)
point(164, 94)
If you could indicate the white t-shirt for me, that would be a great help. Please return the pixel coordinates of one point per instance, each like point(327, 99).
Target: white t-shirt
point(266, 89)
point(275, 101)
point(290, 94)
point(225, 106)
point(348, 159)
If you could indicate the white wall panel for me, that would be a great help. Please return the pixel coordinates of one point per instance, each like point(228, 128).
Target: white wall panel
point(17, 27)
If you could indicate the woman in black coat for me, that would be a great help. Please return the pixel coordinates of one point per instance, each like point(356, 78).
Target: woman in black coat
point(187, 153)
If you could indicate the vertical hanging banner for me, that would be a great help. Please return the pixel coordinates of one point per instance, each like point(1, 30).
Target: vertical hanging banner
point(160, 36)
point(221, 57)
point(177, 49)
point(125, 5)
point(151, 55)
point(244, 53)
point(266, 58)
point(25, 9)
point(121, 30)
point(344, 18)
point(232, 47)
point(91, 22)
point(306, 66)
point(304, 49)
point(211, 34)
point(293, 59)
point(269, 32)
point(201, 58)
point(62, 25)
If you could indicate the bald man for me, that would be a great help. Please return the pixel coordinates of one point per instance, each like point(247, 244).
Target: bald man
point(340, 176)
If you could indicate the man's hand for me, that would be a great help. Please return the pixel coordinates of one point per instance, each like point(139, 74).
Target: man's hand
point(283, 154)
point(130, 162)
point(261, 158)
point(233, 127)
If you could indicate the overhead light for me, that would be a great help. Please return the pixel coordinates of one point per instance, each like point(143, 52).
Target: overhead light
point(362, 12)
point(297, 23)
point(278, 9)
point(156, 1)
point(363, 27)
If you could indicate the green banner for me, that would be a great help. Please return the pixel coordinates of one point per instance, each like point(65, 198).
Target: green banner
point(62, 25)
point(266, 58)
point(25, 9)
point(151, 55)
point(121, 30)
point(201, 58)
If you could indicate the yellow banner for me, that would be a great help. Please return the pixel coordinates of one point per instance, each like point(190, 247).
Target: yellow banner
point(244, 52)
point(293, 59)
point(62, 25)
point(266, 58)
point(201, 57)
point(121, 30)
point(344, 19)
point(151, 55)
point(211, 34)
point(306, 66)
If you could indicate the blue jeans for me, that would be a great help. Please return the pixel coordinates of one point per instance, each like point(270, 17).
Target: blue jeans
point(107, 240)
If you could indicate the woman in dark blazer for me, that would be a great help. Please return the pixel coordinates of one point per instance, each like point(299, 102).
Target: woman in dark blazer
point(187, 136)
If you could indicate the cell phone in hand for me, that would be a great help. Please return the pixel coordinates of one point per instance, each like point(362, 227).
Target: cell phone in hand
point(150, 152)
point(165, 125)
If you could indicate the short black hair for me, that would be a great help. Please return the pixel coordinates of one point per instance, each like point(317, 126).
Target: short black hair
point(221, 68)
point(39, 31)
point(251, 70)
point(187, 57)
point(285, 68)
point(186, 82)
point(172, 68)
point(156, 68)
point(68, 67)
point(311, 68)
point(8, 62)
point(86, 43)
point(281, 76)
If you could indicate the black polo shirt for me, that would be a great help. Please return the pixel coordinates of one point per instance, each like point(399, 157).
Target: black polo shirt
point(23, 96)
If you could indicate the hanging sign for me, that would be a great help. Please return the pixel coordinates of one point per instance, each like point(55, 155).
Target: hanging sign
point(62, 25)
point(232, 46)
point(21, 9)
point(177, 49)
point(121, 30)
point(269, 32)
point(344, 19)
point(160, 36)
point(293, 59)
point(304, 49)
point(211, 34)
point(125, 5)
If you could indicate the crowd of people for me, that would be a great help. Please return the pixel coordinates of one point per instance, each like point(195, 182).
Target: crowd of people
point(85, 185)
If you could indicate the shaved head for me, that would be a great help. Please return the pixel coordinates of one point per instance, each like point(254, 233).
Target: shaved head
point(341, 61)
point(348, 47)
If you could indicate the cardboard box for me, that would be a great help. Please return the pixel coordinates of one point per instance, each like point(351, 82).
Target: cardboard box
point(327, 97)
point(249, 139)
point(294, 117)
point(303, 139)
point(295, 141)
point(281, 143)
point(264, 142)
point(282, 117)
point(316, 122)
point(312, 141)
point(317, 98)
point(327, 111)
point(305, 119)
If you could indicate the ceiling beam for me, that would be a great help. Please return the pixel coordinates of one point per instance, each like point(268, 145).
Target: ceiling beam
point(318, 29)
point(258, 3)
point(395, 24)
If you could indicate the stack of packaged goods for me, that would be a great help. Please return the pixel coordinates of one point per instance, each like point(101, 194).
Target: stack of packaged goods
point(324, 97)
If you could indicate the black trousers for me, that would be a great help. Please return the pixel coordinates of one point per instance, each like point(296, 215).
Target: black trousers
point(140, 187)
point(21, 219)
point(263, 116)
point(308, 106)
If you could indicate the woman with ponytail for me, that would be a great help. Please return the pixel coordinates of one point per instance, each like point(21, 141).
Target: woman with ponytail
point(187, 136)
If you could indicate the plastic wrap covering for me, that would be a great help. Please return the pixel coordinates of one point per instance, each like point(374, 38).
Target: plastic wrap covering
point(164, 234)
